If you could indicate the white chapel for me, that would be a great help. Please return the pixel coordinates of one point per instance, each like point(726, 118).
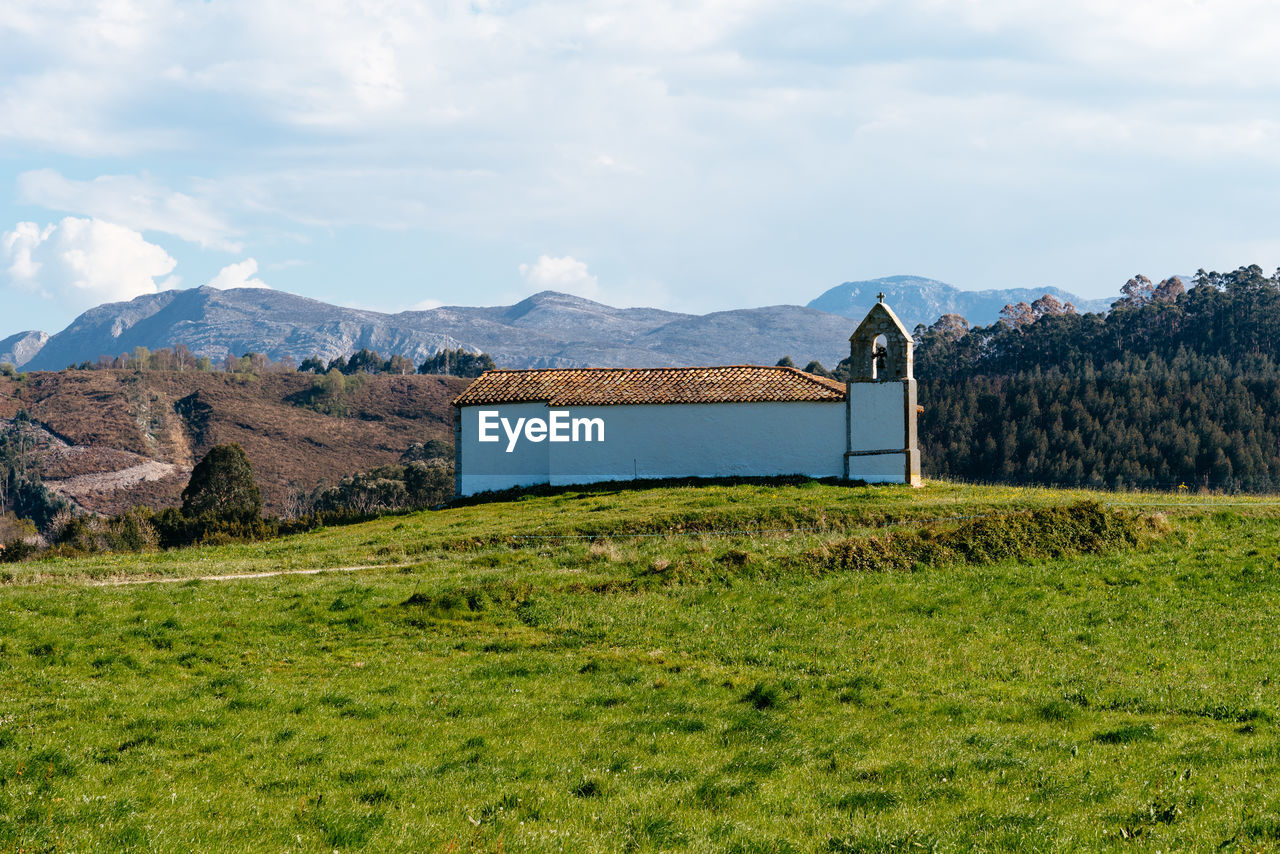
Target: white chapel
point(585, 425)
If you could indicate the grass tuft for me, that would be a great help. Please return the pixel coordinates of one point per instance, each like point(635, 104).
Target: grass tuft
point(1052, 532)
point(763, 696)
point(588, 788)
point(1126, 734)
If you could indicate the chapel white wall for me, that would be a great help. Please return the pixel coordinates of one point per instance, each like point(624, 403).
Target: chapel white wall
point(658, 441)
point(877, 417)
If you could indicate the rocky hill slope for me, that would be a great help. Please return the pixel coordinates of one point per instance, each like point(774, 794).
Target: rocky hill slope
point(113, 439)
point(21, 347)
point(214, 323)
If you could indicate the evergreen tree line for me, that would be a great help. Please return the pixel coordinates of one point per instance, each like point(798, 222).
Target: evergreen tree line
point(458, 363)
point(1174, 386)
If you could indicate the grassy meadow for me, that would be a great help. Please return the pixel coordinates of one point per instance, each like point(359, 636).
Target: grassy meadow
point(654, 670)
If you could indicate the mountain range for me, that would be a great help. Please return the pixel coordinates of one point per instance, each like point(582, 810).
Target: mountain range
point(918, 300)
point(547, 329)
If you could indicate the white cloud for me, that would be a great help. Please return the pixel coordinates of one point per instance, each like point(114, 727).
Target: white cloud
point(665, 135)
point(135, 202)
point(567, 275)
point(589, 73)
point(83, 262)
point(238, 275)
point(74, 67)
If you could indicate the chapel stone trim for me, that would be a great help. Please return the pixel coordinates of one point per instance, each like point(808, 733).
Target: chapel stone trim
point(892, 359)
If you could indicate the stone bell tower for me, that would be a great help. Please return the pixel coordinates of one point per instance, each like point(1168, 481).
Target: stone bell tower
point(881, 413)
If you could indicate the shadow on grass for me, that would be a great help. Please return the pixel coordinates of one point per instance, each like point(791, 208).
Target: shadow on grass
point(617, 487)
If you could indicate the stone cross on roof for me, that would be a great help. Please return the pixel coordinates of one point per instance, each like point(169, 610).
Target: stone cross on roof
point(880, 297)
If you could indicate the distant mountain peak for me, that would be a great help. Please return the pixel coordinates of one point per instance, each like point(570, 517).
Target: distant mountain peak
point(557, 298)
point(917, 299)
point(902, 280)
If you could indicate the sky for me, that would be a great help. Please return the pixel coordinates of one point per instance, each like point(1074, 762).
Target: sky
point(697, 155)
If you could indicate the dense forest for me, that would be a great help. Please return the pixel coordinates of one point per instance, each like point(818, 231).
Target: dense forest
point(1173, 386)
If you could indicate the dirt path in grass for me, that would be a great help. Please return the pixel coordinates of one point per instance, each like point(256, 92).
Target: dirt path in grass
point(237, 576)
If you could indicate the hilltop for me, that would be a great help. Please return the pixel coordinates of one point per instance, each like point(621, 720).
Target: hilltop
point(113, 439)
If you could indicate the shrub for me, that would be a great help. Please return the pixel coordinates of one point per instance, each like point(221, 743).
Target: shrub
point(77, 533)
point(175, 529)
point(432, 449)
point(18, 550)
point(133, 531)
point(420, 483)
point(331, 391)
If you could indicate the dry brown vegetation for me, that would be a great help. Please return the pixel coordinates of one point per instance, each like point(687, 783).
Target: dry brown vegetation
point(101, 423)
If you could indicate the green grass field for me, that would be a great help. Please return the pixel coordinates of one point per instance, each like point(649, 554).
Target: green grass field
point(565, 673)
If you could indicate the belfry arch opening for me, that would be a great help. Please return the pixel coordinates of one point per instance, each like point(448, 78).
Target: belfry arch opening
point(880, 358)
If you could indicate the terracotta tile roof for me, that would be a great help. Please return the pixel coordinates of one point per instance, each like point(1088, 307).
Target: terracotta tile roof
point(617, 386)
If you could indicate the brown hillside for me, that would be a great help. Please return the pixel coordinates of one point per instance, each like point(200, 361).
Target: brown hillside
point(119, 438)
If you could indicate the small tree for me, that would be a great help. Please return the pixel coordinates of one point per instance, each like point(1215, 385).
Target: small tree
point(458, 363)
point(1017, 316)
point(258, 362)
point(222, 486)
point(428, 484)
point(432, 449)
point(365, 360)
point(398, 364)
point(950, 327)
point(815, 367)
